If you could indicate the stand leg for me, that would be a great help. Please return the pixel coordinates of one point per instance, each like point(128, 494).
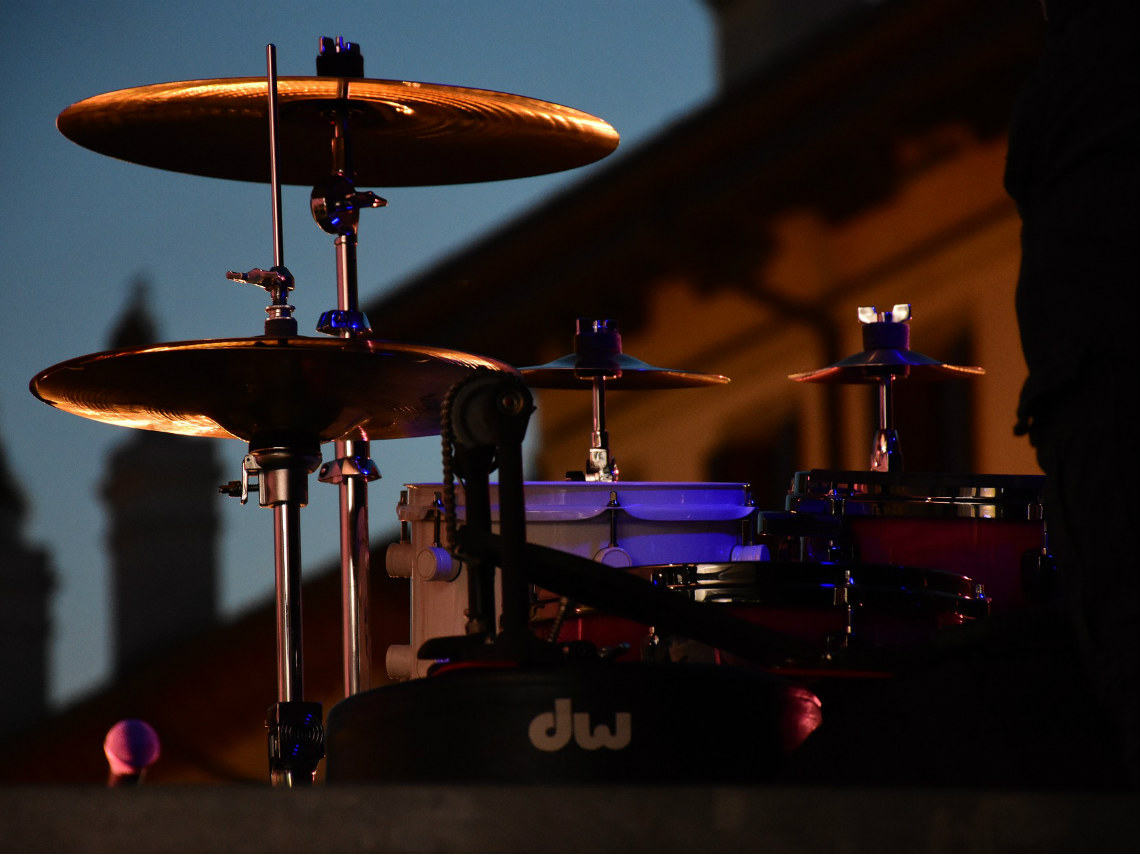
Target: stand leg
point(354, 568)
point(296, 734)
point(287, 565)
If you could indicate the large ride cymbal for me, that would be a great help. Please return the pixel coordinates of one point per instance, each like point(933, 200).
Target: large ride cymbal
point(319, 388)
point(621, 372)
point(402, 134)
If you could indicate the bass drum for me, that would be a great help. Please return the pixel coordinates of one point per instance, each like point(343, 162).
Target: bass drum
point(844, 613)
point(990, 528)
point(620, 524)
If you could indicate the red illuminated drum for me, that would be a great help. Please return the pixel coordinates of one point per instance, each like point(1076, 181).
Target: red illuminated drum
point(986, 527)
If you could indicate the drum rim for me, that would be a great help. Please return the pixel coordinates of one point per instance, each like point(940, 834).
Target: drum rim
point(906, 494)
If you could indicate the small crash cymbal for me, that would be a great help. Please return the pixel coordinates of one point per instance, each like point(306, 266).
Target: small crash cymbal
point(240, 388)
point(886, 354)
point(598, 355)
point(622, 371)
point(869, 366)
point(402, 134)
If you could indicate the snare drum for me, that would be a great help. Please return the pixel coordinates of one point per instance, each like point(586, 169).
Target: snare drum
point(620, 524)
point(986, 527)
point(832, 607)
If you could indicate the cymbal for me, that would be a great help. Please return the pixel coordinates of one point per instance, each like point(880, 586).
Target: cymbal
point(316, 387)
point(869, 366)
point(402, 133)
point(620, 371)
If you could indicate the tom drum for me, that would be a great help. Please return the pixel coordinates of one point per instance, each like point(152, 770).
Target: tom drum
point(990, 528)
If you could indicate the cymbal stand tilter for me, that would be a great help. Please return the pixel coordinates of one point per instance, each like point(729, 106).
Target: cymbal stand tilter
point(335, 205)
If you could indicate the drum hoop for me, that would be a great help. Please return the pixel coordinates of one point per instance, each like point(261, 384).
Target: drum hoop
point(889, 494)
point(799, 575)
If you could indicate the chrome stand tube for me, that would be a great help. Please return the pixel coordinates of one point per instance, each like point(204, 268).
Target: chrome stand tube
point(296, 735)
point(886, 453)
point(287, 565)
point(354, 568)
point(336, 205)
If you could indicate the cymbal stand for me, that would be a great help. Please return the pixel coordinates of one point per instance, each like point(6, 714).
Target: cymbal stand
point(335, 205)
point(597, 344)
point(296, 735)
point(281, 463)
point(886, 453)
point(600, 465)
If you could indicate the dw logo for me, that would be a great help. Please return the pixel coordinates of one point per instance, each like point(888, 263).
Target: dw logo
point(551, 731)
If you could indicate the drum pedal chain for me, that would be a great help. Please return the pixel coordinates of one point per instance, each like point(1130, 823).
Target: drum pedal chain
point(565, 605)
point(477, 625)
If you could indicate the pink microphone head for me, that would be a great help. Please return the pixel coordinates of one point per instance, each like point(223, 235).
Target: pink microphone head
point(131, 746)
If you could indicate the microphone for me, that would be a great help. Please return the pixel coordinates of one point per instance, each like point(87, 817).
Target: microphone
point(131, 747)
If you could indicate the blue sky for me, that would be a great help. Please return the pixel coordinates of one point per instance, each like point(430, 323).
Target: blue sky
point(78, 228)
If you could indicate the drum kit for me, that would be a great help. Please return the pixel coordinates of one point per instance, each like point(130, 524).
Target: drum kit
point(581, 630)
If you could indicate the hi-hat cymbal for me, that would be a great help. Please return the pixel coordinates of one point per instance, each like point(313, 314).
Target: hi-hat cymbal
point(870, 366)
point(315, 387)
point(620, 371)
point(402, 134)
